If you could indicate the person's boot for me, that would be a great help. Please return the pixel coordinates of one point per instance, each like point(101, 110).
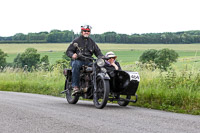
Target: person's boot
point(75, 90)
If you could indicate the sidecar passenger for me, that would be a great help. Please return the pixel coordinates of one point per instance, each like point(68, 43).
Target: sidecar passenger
point(111, 63)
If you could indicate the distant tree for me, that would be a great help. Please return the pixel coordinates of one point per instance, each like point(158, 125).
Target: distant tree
point(118, 38)
point(17, 61)
point(165, 57)
point(162, 58)
point(30, 58)
point(37, 37)
point(44, 62)
point(45, 59)
point(58, 36)
point(110, 37)
point(2, 58)
point(20, 36)
point(148, 56)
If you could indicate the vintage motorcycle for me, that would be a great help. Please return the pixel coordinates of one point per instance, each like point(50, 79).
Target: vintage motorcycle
point(102, 86)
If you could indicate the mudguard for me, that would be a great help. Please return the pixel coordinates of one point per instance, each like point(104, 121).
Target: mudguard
point(103, 75)
point(67, 73)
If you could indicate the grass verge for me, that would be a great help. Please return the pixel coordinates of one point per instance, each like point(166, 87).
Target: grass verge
point(170, 91)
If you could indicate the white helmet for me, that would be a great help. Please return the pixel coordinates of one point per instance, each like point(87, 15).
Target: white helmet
point(110, 55)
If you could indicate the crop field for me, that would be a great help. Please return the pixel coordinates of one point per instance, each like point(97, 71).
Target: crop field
point(189, 54)
point(46, 47)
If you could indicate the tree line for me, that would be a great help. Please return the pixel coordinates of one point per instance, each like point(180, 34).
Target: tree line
point(58, 36)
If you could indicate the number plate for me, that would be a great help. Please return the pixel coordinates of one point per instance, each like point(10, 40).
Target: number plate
point(134, 76)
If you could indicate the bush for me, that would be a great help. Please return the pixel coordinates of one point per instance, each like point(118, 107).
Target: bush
point(62, 64)
point(29, 59)
point(148, 56)
point(66, 57)
point(44, 63)
point(165, 57)
point(2, 58)
point(162, 58)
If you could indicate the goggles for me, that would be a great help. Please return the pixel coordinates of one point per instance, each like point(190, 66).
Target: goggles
point(86, 27)
point(86, 30)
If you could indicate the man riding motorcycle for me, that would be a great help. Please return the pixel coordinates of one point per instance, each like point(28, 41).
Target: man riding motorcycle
point(87, 47)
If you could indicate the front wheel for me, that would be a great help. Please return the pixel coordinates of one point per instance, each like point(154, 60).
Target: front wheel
point(124, 103)
point(71, 99)
point(101, 95)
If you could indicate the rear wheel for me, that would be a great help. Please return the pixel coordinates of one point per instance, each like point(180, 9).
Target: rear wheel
point(124, 103)
point(101, 96)
point(71, 99)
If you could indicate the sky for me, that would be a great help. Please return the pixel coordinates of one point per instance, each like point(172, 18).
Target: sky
point(121, 16)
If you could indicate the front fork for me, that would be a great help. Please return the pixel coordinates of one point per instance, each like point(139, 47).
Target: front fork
point(94, 78)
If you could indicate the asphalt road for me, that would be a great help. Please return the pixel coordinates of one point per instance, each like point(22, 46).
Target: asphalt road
point(32, 113)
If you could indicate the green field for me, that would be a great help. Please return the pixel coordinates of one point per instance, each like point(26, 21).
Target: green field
point(17, 48)
point(127, 53)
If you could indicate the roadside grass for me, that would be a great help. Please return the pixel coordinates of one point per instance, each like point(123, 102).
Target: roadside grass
point(170, 91)
point(40, 82)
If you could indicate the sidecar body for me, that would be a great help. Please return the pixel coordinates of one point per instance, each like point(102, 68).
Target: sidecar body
point(124, 82)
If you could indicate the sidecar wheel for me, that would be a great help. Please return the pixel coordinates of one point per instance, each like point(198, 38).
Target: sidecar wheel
point(124, 103)
point(71, 99)
point(100, 98)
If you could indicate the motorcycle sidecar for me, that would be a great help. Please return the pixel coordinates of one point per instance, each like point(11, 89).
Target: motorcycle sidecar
point(124, 82)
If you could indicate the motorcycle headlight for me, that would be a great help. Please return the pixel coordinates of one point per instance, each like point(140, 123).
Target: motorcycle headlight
point(103, 70)
point(100, 62)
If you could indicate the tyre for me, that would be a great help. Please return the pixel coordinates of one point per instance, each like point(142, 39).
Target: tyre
point(124, 103)
point(100, 98)
point(71, 99)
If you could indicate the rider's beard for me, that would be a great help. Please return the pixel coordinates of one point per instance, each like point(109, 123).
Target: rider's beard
point(86, 35)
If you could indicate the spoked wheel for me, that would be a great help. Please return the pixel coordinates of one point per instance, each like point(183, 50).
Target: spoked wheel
point(124, 103)
point(100, 98)
point(71, 99)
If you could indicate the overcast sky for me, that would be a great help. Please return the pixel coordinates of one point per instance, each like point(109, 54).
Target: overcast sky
point(121, 16)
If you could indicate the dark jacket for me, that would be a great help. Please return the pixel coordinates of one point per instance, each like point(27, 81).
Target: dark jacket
point(87, 47)
point(110, 68)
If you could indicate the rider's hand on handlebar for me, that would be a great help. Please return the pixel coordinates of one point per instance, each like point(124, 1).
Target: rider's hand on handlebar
point(74, 56)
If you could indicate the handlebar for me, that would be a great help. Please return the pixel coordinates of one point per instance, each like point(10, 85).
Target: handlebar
point(81, 55)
